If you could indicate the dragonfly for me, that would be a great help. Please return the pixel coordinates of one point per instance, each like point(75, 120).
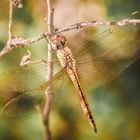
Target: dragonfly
point(90, 65)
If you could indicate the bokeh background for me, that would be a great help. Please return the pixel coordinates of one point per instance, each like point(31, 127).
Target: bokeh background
point(116, 105)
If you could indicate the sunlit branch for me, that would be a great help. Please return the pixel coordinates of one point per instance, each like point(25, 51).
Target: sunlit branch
point(8, 48)
point(19, 42)
point(48, 92)
point(10, 20)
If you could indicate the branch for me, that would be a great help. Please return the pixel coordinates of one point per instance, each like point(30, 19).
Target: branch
point(48, 92)
point(99, 23)
point(8, 48)
point(19, 42)
point(10, 20)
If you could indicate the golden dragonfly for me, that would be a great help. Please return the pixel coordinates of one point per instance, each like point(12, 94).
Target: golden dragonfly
point(96, 62)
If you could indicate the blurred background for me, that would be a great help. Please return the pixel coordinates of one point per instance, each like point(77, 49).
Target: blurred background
point(116, 105)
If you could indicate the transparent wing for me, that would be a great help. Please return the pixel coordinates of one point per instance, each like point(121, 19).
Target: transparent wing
point(14, 83)
point(102, 59)
point(22, 71)
point(27, 101)
point(24, 77)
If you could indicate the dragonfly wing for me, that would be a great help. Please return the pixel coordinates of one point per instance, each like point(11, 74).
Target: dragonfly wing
point(24, 72)
point(23, 77)
point(27, 101)
point(21, 105)
point(112, 53)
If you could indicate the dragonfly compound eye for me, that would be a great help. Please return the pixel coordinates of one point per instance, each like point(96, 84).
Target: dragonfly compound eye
point(60, 45)
point(58, 42)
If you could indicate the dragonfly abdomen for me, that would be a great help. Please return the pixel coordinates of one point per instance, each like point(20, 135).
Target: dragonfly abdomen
point(68, 62)
point(83, 102)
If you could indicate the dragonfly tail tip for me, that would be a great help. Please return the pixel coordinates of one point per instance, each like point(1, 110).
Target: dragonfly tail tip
point(95, 129)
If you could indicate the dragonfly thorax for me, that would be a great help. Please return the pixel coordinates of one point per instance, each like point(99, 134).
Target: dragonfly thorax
point(66, 58)
point(58, 42)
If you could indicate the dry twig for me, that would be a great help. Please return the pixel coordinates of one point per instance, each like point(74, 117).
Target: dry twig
point(18, 42)
point(48, 92)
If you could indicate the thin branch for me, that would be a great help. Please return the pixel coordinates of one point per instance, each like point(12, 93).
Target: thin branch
point(19, 42)
point(98, 23)
point(10, 20)
point(48, 92)
point(7, 49)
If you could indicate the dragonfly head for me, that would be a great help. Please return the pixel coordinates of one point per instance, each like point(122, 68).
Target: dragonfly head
point(58, 42)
